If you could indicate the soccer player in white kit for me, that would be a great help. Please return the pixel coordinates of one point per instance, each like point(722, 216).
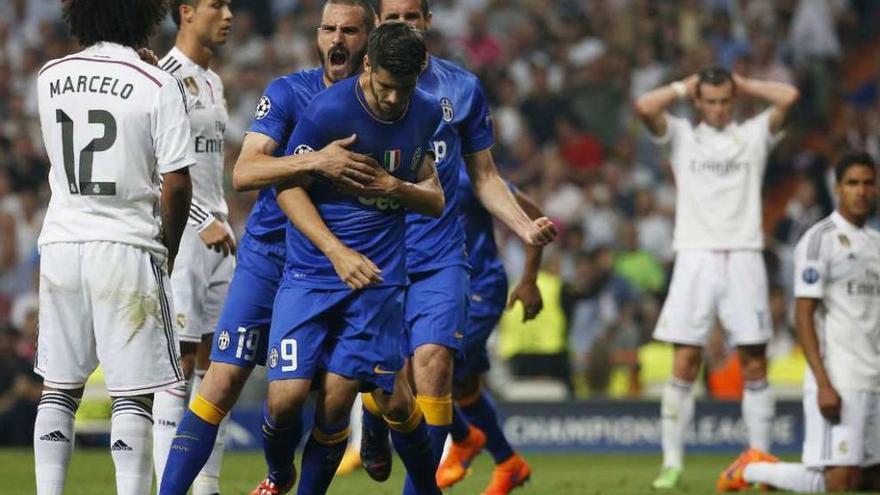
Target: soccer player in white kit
point(719, 271)
point(837, 312)
point(112, 125)
point(206, 258)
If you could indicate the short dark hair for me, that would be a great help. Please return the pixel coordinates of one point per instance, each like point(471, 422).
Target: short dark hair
point(715, 76)
point(175, 9)
point(397, 48)
point(129, 23)
point(424, 4)
point(367, 7)
point(851, 159)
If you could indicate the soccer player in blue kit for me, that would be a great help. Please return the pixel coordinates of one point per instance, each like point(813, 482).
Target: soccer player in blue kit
point(242, 333)
point(339, 309)
point(436, 301)
point(475, 422)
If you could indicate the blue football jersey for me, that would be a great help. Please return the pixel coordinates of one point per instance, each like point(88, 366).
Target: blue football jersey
point(488, 278)
point(466, 128)
point(279, 109)
point(374, 227)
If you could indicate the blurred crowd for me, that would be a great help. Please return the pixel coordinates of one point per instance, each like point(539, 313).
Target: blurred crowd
point(561, 76)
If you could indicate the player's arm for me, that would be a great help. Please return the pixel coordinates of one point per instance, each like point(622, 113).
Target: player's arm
point(526, 291)
point(494, 194)
point(424, 196)
point(212, 231)
point(257, 168)
point(355, 269)
point(829, 399)
point(780, 96)
point(176, 196)
point(651, 106)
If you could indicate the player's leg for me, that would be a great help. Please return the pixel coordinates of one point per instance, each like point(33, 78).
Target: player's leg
point(208, 480)
point(301, 319)
point(744, 311)
point(409, 431)
point(436, 312)
point(240, 343)
point(687, 314)
point(137, 348)
point(329, 436)
point(833, 452)
point(65, 358)
point(189, 284)
point(758, 406)
point(54, 438)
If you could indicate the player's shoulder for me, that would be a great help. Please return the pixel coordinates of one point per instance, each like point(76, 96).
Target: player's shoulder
point(452, 70)
point(175, 63)
point(426, 103)
point(305, 80)
point(812, 240)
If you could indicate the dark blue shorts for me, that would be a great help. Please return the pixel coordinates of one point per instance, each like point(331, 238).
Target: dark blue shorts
point(436, 309)
point(242, 331)
point(484, 312)
point(355, 334)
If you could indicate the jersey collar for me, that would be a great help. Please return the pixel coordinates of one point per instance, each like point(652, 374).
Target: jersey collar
point(114, 50)
point(843, 223)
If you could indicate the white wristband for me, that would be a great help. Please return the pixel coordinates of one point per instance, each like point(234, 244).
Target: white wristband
point(680, 89)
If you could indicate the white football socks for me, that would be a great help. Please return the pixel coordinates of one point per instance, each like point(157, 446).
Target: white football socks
point(676, 413)
point(786, 475)
point(53, 440)
point(131, 432)
point(758, 408)
point(168, 408)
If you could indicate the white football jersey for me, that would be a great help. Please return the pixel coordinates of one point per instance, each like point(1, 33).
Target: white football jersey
point(208, 118)
point(111, 125)
point(839, 264)
point(718, 176)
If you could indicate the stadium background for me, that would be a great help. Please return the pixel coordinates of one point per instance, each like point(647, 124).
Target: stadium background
point(561, 76)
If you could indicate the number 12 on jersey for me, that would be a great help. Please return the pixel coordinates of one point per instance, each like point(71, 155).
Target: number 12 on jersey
point(85, 186)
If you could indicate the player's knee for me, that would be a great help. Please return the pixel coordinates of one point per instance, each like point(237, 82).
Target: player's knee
point(399, 407)
point(432, 368)
point(842, 479)
point(284, 408)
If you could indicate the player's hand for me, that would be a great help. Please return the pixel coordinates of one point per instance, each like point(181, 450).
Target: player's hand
point(355, 269)
point(690, 83)
point(217, 237)
point(829, 403)
point(345, 168)
point(540, 232)
point(148, 56)
point(529, 295)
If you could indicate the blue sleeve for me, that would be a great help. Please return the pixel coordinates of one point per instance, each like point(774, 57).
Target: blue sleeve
point(275, 115)
point(476, 127)
point(307, 137)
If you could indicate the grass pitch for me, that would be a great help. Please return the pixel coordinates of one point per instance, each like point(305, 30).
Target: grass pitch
point(91, 473)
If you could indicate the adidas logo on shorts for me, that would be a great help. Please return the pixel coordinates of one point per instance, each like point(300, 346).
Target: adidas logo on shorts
point(120, 445)
point(55, 436)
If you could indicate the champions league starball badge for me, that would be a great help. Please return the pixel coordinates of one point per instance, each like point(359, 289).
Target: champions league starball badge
point(810, 275)
point(263, 108)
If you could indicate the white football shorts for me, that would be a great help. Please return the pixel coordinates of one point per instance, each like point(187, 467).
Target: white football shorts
point(199, 283)
point(854, 441)
point(729, 285)
point(110, 303)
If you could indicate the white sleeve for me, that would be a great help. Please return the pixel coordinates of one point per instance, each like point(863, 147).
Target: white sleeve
point(673, 128)
point(171, 132)
point(810, 266)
